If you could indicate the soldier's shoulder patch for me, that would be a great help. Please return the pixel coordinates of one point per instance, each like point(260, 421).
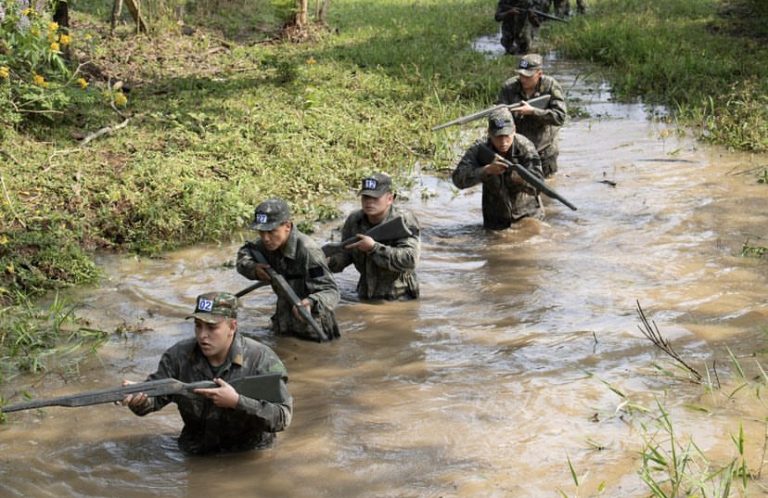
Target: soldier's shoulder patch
point(316, 271)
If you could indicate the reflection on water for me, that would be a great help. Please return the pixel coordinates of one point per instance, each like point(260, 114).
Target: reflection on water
point(486, 385)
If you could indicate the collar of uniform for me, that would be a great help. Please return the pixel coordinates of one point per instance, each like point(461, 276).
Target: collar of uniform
point(236, 351)
point(289, 250)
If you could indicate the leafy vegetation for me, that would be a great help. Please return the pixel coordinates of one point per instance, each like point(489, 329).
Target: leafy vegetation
point(705, 60)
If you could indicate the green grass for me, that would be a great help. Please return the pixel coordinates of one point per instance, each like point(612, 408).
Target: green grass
point(221, 118)
point(710, 68)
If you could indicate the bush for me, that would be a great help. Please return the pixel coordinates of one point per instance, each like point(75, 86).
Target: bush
point(35, 79)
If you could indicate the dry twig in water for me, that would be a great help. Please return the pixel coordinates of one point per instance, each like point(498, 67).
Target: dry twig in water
point(651, 331)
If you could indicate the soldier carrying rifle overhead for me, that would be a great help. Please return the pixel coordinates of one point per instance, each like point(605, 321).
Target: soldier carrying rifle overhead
point(219, 419)
point(540, 126)
point(385, 258)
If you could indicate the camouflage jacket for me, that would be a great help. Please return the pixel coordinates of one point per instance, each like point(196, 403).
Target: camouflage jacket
point(389, 270)
point(543, 126)
point(208, 428)
point(505, 5)
point(504, 202)
point(303, 265)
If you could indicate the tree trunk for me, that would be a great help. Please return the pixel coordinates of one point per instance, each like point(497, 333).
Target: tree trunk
point(322, 11)
point(301, 14)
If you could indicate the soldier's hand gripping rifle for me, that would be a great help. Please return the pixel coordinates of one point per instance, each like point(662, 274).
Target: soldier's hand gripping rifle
point(262, 387)
point(389, 230)
point(289, 293)
point(488, 157)
point(540, 102)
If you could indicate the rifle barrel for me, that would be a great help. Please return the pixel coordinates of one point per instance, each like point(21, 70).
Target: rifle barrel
point(539, 102)
point(264, 387)
point(531, 179)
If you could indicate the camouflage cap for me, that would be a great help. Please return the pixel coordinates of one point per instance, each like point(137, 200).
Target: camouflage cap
point(376, 185)
point(529, 64)
point(212, 307)
point(500, 122)
point(270, 214)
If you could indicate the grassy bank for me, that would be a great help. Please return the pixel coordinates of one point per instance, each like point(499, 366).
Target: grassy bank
point(704, 59)
point(219, 116)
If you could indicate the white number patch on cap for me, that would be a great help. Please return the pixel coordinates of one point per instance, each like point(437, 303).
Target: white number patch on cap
point(370, 184)
point(205, 305)
point(261, 218)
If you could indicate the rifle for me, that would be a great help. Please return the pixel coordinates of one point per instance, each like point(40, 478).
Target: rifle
point(286, 289)
point(526, 175)
point(262, 387)
point(535, 12)
point(540, 102)
point(389, 230)
point(250, 288)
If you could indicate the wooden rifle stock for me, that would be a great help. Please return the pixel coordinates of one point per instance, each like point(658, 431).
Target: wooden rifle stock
point(389, 230)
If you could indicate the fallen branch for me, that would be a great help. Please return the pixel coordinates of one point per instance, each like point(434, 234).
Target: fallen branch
point(653, 334)
point(103, 131)
point(10, 204)
point(8, 155)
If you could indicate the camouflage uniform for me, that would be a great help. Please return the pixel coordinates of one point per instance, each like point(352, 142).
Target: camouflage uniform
point(388, 271)
point(504, 202)
point(303, 265)
point(208, 428)
point(543, 126)
point(516, 29)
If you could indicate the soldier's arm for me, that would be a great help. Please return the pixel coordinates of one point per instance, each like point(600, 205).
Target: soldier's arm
point(321, 287)
point(246, 265)
point(168, 368)
point(342, 259)
point(401, 255)
point(556, 111)
point(277, 416)
point(468, 172)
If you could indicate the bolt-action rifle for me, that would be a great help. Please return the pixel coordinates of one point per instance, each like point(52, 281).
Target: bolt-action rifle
point(538, 13)
point(289, 293)
point(262, 387)
point(389, 230)
point(540, 102)
point(488, 157)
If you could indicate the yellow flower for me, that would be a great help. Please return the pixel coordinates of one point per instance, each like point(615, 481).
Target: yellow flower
point(40, 81)
point(120, 99)
point(55, 47)
point(311, 61)
point(4, 72)
point(3, 240)
point(27, 11)
point(65, 39)
point(53, 26)
point(83, 83)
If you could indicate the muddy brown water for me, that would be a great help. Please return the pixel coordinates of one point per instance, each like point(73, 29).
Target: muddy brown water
point(492, 381)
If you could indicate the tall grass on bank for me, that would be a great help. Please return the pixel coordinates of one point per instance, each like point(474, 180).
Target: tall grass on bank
point(681, 53)
point(219, 120)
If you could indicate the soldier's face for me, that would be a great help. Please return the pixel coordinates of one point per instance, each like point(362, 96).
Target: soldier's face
point(529, 82)
point(214, 339)
point(502, 143)
point(375, 208)
point(274, 239)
